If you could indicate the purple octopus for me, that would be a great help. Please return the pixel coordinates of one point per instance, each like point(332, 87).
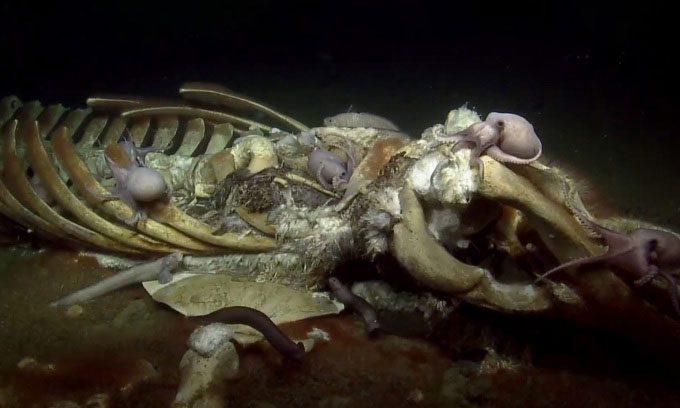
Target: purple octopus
point(506, 137)
point(644, 255)
point(330, 170)
point(136, 184)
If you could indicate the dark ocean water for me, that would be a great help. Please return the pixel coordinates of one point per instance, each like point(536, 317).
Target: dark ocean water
point(619, 138)
point(594, 80)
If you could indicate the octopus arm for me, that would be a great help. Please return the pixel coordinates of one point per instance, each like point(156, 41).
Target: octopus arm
point(498, 154)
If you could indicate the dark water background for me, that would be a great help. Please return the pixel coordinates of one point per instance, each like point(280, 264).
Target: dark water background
point(595, 80)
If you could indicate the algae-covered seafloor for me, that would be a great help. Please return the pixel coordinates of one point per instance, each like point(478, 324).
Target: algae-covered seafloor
point(125, 350)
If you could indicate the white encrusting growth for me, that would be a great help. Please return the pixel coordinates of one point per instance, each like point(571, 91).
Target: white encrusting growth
point(207, 339)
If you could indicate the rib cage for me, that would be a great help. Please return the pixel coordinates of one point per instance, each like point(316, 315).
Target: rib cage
point(47, 148)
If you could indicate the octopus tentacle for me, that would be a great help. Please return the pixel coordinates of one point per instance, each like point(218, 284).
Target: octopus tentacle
point(586, 261)
point(498, 154)
point(652, 273)
point(463, 143)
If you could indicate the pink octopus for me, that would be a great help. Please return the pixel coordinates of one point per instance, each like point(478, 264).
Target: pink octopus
point(506, 137)
point(330, 170)
point(137, 185)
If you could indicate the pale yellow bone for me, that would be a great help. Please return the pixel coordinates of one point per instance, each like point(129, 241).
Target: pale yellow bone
point(217, 94)
point(18, 184)
point(114, 102)
point(74, 119)
point(193, 135)
point(563, 236)
point(115, 130)
point(49, 118)
point(169, 214)
point(431, 265)
point(90, 189)
point(166, 129)
point(91, 133)
point(50, 180)
point(256, 220)
point(221, 165)
point(189, 111)
point(29, 111)
point(8, 106)
point(138, 130)
point(220, 138)
point(256, 153)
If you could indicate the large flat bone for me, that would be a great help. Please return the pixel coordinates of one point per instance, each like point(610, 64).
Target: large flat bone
point(431, 265)
point(563, 236)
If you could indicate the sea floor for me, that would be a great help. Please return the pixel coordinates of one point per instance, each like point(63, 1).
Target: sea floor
point(124, 350)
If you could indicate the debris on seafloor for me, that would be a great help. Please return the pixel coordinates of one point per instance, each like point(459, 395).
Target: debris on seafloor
point(205, 368)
